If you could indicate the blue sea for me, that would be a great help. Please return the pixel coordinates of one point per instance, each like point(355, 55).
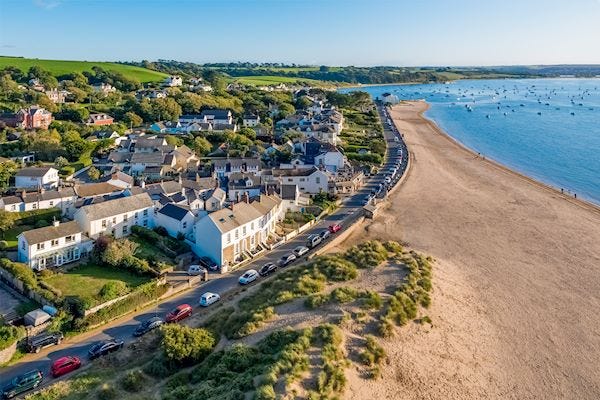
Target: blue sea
point(548, 129)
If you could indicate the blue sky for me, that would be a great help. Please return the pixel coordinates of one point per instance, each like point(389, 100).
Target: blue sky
point(330, 32)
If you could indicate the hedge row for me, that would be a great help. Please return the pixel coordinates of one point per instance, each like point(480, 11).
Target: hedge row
point(9, 335)
point(32, 216)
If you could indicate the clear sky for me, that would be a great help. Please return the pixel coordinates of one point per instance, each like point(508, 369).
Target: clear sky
point(329, 32)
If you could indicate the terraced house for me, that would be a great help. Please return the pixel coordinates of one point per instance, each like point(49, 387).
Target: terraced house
point(53, 246)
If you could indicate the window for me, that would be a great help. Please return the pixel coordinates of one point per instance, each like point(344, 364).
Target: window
point(69, 239)
point(125, 217)
point(135, 215)
point(51, 203)
point(229, 238)
point(290, 179)
point(23, 246)
point(302, 179)
point(104, 223)
point(184, 224)
point(125, 229)
point(54, 242)
point(114, 220)
point(13, 207)
point(237, 234)
point(40, 246)
point(252, 226)
point(34, 206)
point(318, 179)
point(146, 212)
point(244, 230)
point(145, 223)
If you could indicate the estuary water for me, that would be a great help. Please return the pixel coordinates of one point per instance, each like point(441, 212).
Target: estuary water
point(548, 129)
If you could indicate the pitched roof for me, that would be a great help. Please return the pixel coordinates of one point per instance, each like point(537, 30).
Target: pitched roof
point(117, 206)
point(95, 189)
point(228, 219)
point(295, 171)
point(33, 171)
point(174, 211)
point(147, 158)
point(289, 192)
point(217, 114)
point(51, 232)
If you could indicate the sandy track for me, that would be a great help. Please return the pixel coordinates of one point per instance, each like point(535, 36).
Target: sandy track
point(516, 307)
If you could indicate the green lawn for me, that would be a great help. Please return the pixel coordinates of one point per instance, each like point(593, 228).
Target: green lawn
point(11, 235)
point(148, 251)
point(61, 67)
point(86, 280)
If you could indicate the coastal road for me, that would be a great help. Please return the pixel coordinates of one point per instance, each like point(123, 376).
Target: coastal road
point(346, 214)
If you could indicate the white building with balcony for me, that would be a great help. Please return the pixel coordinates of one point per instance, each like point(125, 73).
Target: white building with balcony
point(53, 246)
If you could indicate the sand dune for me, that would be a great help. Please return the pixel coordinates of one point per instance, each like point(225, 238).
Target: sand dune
point(516, 308)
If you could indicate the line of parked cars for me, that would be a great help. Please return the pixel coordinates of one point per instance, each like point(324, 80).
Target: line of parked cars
point(64, 365)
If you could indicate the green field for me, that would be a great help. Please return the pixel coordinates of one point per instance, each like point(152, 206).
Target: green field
point(85, 281)
point(261, 80)
point(11, 235)
point(61, 67)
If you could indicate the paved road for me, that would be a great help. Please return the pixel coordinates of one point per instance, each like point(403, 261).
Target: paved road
point(349, 211)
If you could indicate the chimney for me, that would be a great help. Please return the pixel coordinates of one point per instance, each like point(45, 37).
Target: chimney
point(55, 222)
point(180, 180)
point(143, 183)
point(247, 197)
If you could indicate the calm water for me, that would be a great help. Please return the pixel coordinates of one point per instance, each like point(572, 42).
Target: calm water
point(548, 129)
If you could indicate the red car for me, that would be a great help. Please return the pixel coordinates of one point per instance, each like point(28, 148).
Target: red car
point(180, 312)
point(334, 228)
point(64, 365)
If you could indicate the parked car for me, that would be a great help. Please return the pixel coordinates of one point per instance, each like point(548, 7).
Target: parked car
point(22, 383)
point(287, 259)
point(148, 325)
point(313, 241)
point(104, 348)
point(179, 313)
point(267, 269)
point(334, 228)
point(324, 234)
point(248, 277)
point(196, 270)
point(300, 251)
point(64, 365)
point(209, 298)
point(38, 342)
point(209, 263)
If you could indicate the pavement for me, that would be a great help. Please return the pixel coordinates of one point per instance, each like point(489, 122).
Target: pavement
point(349, 211)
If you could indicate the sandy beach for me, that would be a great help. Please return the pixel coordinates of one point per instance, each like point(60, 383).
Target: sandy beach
point(516, 286)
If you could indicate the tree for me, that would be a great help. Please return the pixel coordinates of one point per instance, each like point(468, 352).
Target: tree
point(94, 173)
point(74, 144)
point(183, 344)
point(173, 140)
point(166, 109)
point(248, 132)
point(7, 221)
point(7, 169)
point(61, 162)
point(73, 113)
point(132, 119)
point(202, 146)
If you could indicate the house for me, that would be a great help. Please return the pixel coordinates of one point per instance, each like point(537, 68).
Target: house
point(309, 180)
point(107, 134)
point(34, 117)
point(231, 234)
point(99, 119)
point(291, 198)
point(119, 179)
point(36, 177)
point(116, 217)
point(57, 96)
point(330, 158)
point(226, 167)
point(217, 116)
point(388, 98)
point(251, 120)
point(151, 94)
point(53, 246)
point(63, 199)
point(104, 88)
point(176, 219)
point(36, 85)
point(215, 199)
point(241, 183)
point(172, 81)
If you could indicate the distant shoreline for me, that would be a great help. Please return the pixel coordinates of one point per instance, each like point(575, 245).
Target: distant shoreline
point(578, 201)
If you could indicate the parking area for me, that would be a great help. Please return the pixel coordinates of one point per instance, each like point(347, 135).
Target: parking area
point(8, 301)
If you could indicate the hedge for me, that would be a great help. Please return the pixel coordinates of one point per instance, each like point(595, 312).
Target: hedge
point(21, 272)
point(9, 335)
point(32, 216)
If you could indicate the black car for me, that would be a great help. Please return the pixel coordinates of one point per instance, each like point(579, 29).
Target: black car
point(22, 383)
point(209, 263)
point(147, 326)
point(103, 348)
point(285, 260)
point(267, 269)
point(38, 342)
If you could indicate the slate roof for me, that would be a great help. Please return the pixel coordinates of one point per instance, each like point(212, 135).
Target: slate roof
point(117, 206)
point(95, 189)
point(147, 158)
point(294, 171)
point(227, 219)
point(33, 171)
point(216, 114)
point(174, 211)
point(289, 192)
point(51, 232)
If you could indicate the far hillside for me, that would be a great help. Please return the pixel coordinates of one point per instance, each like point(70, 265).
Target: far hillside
point(62, 67)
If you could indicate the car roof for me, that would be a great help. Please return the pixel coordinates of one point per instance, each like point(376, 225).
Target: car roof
point(208, 294)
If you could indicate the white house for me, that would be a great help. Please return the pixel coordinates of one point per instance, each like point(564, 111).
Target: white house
point(119, 179)
point(226, 167)
point(251, 120)
point(215, 199)
point(388, 98)
point(116, 217)
point(217, 117)
point(54, 245)
point(309, 180)
point(173, 80)
point(331, 159)
point(36, 177)
point(175, 219)
point(63, 199)
point(104, 88)
point(231, 234)
point(243, 183)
